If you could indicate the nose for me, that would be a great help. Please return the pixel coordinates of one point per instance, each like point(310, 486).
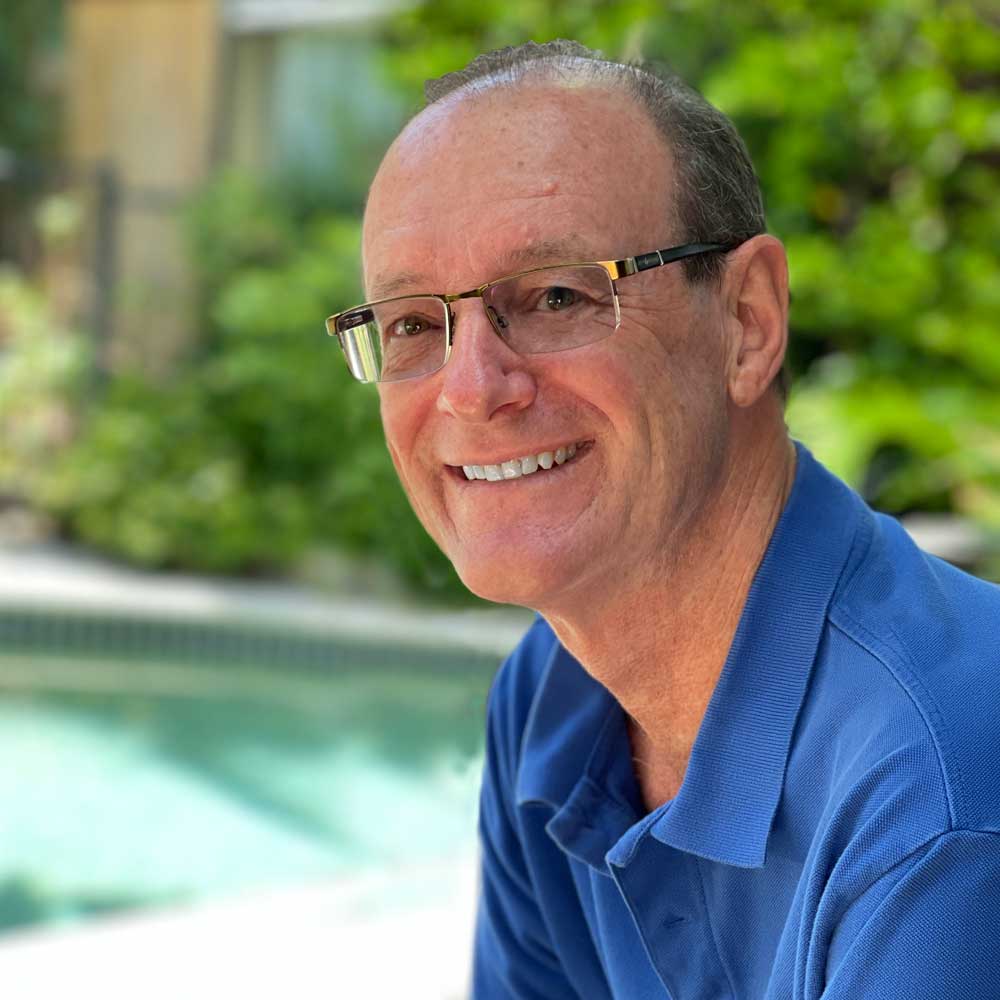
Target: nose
point(483, 377)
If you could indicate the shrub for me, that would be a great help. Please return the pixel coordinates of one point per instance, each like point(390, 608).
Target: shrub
point(262, 445)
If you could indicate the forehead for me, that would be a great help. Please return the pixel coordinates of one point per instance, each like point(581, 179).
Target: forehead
point(471, 182)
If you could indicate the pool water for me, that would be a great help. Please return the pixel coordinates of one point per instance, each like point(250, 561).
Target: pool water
point(132, 785)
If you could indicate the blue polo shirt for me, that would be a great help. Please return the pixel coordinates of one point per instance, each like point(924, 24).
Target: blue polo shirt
point(837, 832)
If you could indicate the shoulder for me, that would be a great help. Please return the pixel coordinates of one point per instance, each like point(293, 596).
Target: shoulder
point(919, 604)
point(907, 933)
point(896, 735)
point(926, 637)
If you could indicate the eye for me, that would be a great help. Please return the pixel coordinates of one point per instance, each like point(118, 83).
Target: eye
point(409, 326)
point(557, 298)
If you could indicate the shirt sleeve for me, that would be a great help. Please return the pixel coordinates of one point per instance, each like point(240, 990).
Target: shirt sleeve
point(513, 956)
point(935, 935)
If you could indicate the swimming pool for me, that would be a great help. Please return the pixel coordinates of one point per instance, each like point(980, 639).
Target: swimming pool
point(146, 782)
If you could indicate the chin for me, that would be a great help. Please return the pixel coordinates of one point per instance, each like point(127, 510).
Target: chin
point(513, 581)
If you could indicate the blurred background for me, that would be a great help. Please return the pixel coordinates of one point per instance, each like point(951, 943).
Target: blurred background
point(241, 694)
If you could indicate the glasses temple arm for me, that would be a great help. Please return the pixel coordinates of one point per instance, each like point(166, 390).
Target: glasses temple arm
point(657, 258)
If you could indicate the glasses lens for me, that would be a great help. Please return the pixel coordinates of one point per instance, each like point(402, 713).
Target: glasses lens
point(401, 338)
point(554, 308)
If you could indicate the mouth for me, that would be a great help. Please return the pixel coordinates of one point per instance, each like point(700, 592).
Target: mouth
point(524, 465)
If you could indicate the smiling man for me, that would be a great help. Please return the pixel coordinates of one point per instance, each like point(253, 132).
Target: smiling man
point(748, 748)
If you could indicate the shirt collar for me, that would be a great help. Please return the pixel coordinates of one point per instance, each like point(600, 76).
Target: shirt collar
point(736, 770)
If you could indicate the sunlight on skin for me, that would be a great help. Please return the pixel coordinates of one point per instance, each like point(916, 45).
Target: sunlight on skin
point(687, 462)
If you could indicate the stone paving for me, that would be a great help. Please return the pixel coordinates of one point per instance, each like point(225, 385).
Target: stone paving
point(53, 576)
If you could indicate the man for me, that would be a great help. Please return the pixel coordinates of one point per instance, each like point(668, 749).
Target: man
point(748, 749)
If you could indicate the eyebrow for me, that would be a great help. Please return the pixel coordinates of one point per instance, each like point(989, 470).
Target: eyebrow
point(562, 250)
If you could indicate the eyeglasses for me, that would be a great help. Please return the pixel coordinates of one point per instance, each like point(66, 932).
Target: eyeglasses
point(541, 311)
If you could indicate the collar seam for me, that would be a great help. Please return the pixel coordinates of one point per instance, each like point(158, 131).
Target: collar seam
point(860, 546)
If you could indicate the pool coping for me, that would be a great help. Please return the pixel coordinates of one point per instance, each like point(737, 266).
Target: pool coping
point(54, 597)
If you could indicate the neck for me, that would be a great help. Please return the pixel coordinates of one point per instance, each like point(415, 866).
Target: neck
point(662, 667)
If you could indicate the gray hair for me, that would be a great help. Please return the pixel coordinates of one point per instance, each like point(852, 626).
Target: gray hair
point(716, 192)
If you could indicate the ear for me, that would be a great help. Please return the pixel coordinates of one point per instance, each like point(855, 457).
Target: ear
point(757, 290)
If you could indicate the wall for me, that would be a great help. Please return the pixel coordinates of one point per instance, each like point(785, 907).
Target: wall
point(141, 97)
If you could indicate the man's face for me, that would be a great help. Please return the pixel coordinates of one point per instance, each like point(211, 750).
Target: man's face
point(477, 189)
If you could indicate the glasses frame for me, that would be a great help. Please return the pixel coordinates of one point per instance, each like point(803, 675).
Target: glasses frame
point(616, 269)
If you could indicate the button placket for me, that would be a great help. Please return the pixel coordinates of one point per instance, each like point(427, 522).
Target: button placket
point(659, 885)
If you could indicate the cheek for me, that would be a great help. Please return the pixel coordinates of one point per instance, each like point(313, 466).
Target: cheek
point(660, 392)
point(635, 381)
point(408, 412)
point(403, 416)
point(683, 358)
point(402, 410)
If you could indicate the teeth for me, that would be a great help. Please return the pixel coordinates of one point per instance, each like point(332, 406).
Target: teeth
point(515, 468)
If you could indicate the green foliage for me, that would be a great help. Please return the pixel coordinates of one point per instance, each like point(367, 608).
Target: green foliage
point(878, 153)
point(27, 29)
point(875, 128)
point(43, 373)
point(263, 446)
